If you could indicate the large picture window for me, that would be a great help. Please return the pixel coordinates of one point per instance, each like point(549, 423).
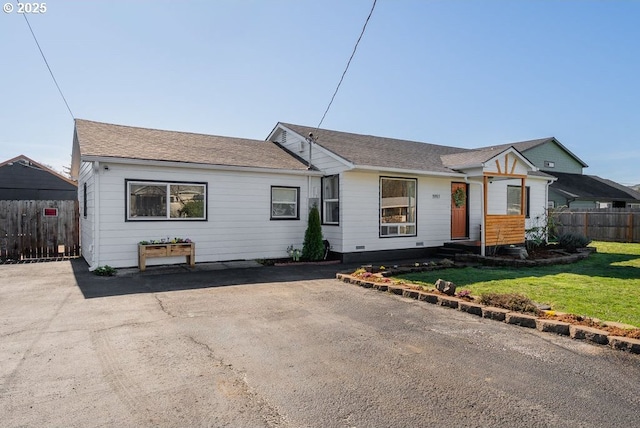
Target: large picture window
point(397, 207)
point(285, 203)
point(331, 200)
point(152, 200)
point(514, 202)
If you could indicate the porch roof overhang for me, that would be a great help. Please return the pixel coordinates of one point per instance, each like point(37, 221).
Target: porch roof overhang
point(508, 162)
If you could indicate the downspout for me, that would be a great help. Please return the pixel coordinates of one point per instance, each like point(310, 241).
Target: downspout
point(96, 217)
point(309, 167)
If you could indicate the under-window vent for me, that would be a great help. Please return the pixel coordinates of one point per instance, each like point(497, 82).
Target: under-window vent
point(359, 247)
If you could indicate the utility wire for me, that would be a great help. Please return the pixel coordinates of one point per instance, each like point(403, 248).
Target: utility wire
point(348, 63)
point(47, 64)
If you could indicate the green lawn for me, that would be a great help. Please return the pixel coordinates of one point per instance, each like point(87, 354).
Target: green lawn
point(606, 285)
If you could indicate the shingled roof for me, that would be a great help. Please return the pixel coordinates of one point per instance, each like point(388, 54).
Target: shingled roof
point(372, 151)
point(104, 140)
point(591, 187)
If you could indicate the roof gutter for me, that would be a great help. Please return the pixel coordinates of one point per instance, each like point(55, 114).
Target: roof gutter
point(410, 171)
point(128, 161)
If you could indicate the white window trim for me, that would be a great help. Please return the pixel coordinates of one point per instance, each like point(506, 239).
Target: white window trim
point(326, 200)
point(398, 225)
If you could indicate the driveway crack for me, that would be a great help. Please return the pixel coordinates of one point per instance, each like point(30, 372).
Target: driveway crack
point(163, 307)
point(269, 413)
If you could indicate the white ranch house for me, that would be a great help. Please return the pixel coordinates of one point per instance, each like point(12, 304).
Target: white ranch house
point(240, 199)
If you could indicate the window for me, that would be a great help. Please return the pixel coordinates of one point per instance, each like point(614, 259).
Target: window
point(285, 203)
point(84, 199)
point(331, 200)
point(150, 200)
point(397, 207)
point(513, 200)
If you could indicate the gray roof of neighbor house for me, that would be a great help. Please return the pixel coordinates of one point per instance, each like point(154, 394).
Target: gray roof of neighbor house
point(22, 178)
point(104, 140)
point(591, 187)
point(523, 146)
point(369, 150)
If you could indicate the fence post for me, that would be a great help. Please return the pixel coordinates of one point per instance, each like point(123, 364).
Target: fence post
point(630, 227)
point(586, 224)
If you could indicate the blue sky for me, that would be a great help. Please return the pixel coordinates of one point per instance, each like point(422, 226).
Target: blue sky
point(460, 73)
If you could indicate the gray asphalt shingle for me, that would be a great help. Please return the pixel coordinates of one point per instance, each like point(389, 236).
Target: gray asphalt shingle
point(369, 150)
point(127, 142)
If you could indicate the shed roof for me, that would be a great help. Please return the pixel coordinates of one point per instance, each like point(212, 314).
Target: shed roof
point(99, 139)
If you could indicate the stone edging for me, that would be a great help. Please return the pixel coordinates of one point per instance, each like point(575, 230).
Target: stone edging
point(583, 253)
point(589, 334)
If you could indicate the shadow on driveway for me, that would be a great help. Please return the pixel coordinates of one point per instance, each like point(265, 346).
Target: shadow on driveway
point(180, 277)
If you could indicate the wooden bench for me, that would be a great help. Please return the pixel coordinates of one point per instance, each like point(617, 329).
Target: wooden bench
point(145, 251)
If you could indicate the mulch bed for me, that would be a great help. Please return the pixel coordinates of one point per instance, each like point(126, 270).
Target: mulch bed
point(633, 333)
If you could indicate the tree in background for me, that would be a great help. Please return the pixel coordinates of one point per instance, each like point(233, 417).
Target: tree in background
point(313, 247)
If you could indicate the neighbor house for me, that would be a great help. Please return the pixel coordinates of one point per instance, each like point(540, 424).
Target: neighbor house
point(247, 199)
point(572, 188)
point(38, 211)
point(22, 178)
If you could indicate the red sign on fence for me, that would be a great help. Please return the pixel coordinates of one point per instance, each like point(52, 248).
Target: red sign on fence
point(51, 212)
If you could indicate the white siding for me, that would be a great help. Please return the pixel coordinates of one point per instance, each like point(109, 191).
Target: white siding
point(87, 224)
point(321, 159)
point(360, 219)
point(497, 198)
point(537, 200)
point(507, 163)
point(238, 225)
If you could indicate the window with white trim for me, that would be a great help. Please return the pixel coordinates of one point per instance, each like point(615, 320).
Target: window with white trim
point(513, 200)
point(397, 206)
point(285, 203)
point(153, 200)
point(331, 199)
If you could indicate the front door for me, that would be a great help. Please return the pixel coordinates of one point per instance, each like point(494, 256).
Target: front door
point(459, 200)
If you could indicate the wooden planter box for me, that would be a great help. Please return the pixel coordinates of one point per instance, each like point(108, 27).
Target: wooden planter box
point(187, 249)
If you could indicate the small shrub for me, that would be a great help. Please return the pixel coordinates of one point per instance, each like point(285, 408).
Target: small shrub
point(105, 270)
point(572, 241)
point(511, 301)
point(313, 247)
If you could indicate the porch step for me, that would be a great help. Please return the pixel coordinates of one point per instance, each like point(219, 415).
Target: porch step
point(450, 249)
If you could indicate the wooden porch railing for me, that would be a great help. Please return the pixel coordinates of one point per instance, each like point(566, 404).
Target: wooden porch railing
point(504, 229)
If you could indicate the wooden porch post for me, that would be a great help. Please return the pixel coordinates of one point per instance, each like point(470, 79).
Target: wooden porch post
point(523, 196)
point(483, 232)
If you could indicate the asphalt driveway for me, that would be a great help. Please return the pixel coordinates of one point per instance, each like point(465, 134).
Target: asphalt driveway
point(283, 347)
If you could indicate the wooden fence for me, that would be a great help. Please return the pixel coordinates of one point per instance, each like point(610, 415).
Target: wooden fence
point(38, 230)
point(603, 224)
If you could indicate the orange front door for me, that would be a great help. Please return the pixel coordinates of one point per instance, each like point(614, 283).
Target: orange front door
point(459, 202)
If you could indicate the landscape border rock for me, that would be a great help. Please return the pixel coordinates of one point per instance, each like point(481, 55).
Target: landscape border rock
point(579, 332)
point(582, 254)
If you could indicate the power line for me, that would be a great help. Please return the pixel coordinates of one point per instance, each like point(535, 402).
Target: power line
point(47, 64)
point(348, 63)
